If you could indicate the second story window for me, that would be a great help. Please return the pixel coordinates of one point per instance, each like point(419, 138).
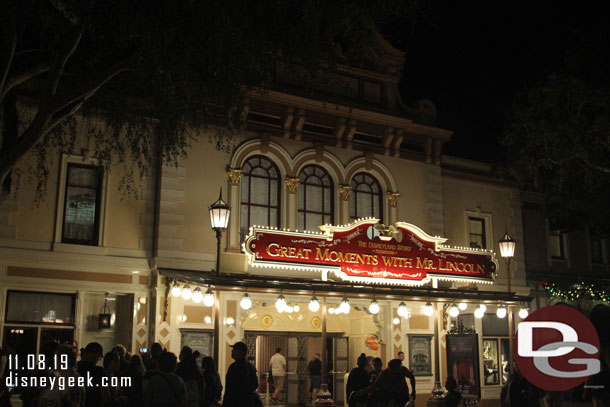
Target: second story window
point(557, 245)
point(315, 197)
point(81, 218)
point(597, 251)
point(260, 194)
point(476, 232)
point(366, 197)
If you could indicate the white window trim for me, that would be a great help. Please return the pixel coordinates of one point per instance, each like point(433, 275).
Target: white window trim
point(57, 243)
point(487, 221)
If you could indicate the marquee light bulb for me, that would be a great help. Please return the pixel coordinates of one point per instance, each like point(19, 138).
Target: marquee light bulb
point(176, 290)
point(197, 296)
point(501, 311)
point(374, 307)
point(280, 303)
point(208, 298)
point(479, 313)
point(345, 307)
point(314, 304)
point(454, 311)
point(428, 309)
point(246, 302)
point(523, 313)
point(483, 307)
point(402, 309)
point(186, 292)
point(462, 306)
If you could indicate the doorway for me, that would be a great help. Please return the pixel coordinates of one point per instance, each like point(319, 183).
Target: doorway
point(299, 348)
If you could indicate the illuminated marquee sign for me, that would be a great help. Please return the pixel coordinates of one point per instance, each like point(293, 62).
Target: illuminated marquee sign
point(365, 251)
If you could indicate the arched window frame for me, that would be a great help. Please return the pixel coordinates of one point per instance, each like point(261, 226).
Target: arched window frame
point(353, 215)
point(245, 199)
point(328, 192)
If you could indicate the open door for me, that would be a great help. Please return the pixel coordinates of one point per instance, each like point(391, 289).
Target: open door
point(340, 367)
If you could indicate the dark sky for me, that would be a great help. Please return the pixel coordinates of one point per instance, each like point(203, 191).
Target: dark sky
point(470, 58)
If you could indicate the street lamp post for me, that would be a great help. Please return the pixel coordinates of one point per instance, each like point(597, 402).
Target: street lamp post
point(219, 218)
point(507, 251)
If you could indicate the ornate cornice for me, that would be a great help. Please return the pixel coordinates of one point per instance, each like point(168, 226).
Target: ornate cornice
point(234, 176)
point(292, 184)
point(344, 191)
point(393, 199)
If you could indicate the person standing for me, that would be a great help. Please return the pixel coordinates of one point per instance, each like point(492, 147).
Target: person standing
point(135, 392)
point(357, 380)
point(165, 388)
point(408, 374)
point(68, 396)
point(278, 370)
point(315, 375)
point(212, 384)
point(87, 366)
point(241, 381)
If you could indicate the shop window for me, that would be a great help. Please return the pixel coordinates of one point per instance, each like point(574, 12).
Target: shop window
point(557, 245)
point(260, 194)
point(29, 307)
point(81, 214)
point(491, 362)
point(466, 320)
point(366, 197)
point(597, 250)
point(476, 232)
point(316, 200)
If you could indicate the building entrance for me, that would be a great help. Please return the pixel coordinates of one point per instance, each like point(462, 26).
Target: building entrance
point(299, 348)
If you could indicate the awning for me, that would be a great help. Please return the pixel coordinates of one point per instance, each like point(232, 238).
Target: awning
point(266, 284)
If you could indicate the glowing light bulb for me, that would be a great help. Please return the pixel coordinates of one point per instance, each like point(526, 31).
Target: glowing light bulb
point(483, 307)
point(288, 309)
point(454, 311)
point(197, 296)
point(229, 321)
point(246, 302)
point(462, 306)
point(280, 303)
point(344, 307)
point(479, 313)
point(374, 307)
point(396, 321)
point(207, 320)
point(331, 310)
point(402, 309)
point(296, 308)
point(176, 290)
point(523, 313)
point(314, 304)
point(186, 292)
point(208, 298)
point(501, 311)
point(428, 309)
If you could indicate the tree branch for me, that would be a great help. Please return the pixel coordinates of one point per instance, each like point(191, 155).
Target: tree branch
point(24, 75)
point(60, 64)
point(9, 61)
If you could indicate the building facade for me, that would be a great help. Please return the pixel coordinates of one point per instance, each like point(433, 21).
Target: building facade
point(301, 161)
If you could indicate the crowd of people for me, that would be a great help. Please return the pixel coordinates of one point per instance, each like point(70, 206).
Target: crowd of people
point(369, 385)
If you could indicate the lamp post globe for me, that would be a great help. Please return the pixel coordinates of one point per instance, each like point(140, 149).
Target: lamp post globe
point(219, 218)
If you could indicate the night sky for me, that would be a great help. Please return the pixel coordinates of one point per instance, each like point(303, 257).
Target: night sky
point(470, 58)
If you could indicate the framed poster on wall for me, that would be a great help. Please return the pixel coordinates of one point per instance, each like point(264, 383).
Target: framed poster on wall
point(420, 354)
point(463, 363)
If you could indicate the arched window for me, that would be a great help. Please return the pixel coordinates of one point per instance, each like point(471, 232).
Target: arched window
point(260, 194)
point(316, 199)
point(366, 197)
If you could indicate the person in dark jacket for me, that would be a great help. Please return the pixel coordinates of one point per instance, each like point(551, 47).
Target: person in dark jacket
point(315, 375)
point(135, 392)
point(390, 388)
point(357, 380)
point(212, 384)
point(453, 397)
point(408, 373)
point(92, 353)
point(241, 380)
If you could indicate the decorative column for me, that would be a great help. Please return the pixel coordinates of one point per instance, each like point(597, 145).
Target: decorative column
point(392, 204)
point(292, 186)
point(344, 192)
point(234, 175)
